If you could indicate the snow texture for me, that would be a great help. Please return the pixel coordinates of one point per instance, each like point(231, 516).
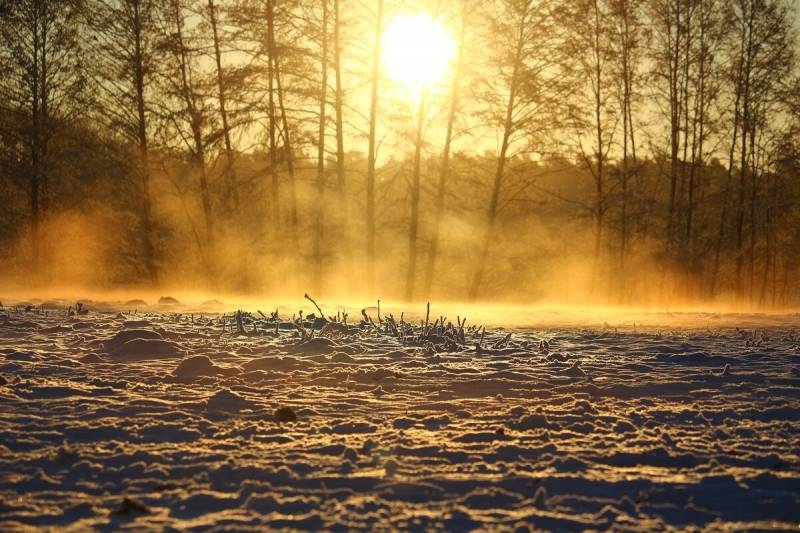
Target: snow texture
point(154, 421)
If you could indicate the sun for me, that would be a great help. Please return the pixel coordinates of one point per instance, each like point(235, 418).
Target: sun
point(417, 50)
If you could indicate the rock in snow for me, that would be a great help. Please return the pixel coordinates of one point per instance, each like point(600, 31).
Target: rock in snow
point(285, 414)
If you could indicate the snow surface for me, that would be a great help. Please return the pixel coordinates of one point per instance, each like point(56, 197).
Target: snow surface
point(113, 420)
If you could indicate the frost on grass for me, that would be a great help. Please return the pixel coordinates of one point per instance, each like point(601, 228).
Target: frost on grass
point(244, 421)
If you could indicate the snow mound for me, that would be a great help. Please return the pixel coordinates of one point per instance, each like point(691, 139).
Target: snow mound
point(138, 349)
point(201, 365)
point(125, 335)
point(316, 346)
point(91, 358)
point(142, 349)
point(531, 421)
point(141, 344)
point(135, 324)
point(228, 401)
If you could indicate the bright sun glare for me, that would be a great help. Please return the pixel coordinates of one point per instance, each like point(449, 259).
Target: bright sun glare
point(416, 50)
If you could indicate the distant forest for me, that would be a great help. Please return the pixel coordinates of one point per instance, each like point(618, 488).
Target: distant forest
point(634, 152)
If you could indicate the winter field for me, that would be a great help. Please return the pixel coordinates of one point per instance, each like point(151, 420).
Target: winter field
point(137, 417)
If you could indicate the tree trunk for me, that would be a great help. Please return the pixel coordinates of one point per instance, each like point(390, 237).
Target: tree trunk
point(754, 176)
point(141, 123)
point(272, 117)
point(598, 116)
point(674, 108)
point(698, 132)
point(747, 129)
point(341, 178)
point(415, 186)
point(627, 134)
point(373, 110)
point(731, 160)
point(683, 206)
point(35, 172)
point(769, 202)
point(288, 152)
point(323, 96)
point(444, 170)
point(44, 120)
point(231, 186)
point(195, 123)
point(508, 127)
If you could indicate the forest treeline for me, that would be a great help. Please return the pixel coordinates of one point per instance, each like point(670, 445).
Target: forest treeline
point(618, 151)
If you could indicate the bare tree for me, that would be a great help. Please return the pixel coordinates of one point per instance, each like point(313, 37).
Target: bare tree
point(593, 47)
point(125, 31)
point(764, 59)
point(42, 83)
point(184, 114)
point(258, 30)
point(535, 83)
point(413, 232)
point(626, 16)
point(669, 18)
